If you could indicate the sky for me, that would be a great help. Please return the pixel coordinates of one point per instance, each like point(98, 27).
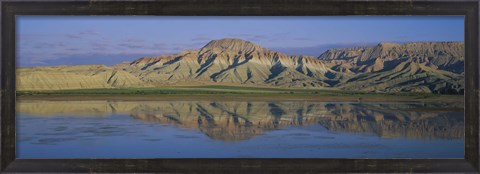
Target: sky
point(72, 40)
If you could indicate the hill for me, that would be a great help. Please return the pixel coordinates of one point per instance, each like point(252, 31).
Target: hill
point(415, 67)
point(432, 67)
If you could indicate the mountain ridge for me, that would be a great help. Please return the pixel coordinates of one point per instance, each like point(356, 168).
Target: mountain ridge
point(432, 67)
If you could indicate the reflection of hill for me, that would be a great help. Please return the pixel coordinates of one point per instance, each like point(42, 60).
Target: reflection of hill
point(77, 108)
point(396, 122)
point(231, 121)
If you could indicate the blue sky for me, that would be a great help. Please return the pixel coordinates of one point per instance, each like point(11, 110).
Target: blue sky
point(69, 40)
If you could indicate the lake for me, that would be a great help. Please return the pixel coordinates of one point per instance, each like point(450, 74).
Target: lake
point(238, 129)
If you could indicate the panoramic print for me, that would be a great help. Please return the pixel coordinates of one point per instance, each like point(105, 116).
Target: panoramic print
point(240, 87)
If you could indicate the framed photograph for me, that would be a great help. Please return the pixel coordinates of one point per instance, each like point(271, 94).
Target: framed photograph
point(239, 86)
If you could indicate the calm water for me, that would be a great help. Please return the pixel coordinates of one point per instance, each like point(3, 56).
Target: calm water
point(210, 129)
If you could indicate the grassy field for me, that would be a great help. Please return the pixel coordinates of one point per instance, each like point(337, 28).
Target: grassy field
point(232, 93)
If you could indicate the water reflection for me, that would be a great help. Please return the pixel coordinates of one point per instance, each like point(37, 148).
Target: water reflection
point(241, 120)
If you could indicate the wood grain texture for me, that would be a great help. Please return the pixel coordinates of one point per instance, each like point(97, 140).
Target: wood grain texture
point(240, 165)
point(471, 87)
point(468, 8)
point(7, 85)
point(242, 8)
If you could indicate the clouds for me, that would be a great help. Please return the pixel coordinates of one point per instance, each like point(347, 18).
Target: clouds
point(252, 37)
point(80, 59)
point(82, 34)
point(44, 45)
point(159, 45)
point(135, 40)
point(133, 43)
point(73, 36)
point(61, 50)
point(44, 49)
point(51, 40)
point(88, 32)
point(99, 46)
point(263, 37)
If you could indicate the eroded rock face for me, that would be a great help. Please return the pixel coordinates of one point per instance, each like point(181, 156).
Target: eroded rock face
point(75, 77)
point(433, 67)
point(240, 120)
point(390, 67)
point(232, 61)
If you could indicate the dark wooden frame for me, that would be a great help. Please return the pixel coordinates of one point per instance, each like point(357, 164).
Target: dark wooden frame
point(467, 8)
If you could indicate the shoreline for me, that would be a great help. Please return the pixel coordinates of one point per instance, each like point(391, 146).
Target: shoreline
point(246, 97)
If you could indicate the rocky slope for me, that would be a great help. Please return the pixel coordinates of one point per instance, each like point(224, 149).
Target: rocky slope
point(231, 61)
point(75, 77)
point(388, 67)
point(415, 67)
